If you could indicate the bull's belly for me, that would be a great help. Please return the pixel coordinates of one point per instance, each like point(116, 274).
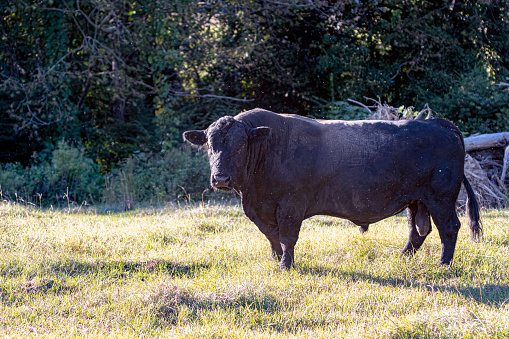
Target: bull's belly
point(363, 215)
point(361, 207)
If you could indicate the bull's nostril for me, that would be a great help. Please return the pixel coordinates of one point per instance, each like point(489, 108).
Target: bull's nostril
point(221, 181)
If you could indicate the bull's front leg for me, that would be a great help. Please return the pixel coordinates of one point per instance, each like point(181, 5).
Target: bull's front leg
point(272, 234)
point(270, 231)
point(289, 221)
point(277, 250)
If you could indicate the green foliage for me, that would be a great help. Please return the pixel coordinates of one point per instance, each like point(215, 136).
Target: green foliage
point(181, 173)
point(123, 78)
point(178, 174)
point(68, 176)
point(11, 179)
point(36, 85)
point(340, 110)
point(475, 103)
point(71, 172)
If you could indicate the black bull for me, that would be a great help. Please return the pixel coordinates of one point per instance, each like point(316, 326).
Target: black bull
point(287, 168)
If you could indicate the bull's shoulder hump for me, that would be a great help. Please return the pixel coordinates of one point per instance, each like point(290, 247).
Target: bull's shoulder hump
point(254, 112)
point(262, 117)
point(299, 119)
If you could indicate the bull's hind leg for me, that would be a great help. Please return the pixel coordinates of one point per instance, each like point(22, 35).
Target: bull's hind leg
point(448, 236)
point(419, 225)
point(448, 225)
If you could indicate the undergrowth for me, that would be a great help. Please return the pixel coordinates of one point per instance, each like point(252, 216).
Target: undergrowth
point(68, 176)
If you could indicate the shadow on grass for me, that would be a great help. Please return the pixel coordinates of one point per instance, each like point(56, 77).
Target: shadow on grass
point(172, 305)
point(123, 268)
point(23, 291)
point(489, 294)
point(114, 268)
point(168, 303)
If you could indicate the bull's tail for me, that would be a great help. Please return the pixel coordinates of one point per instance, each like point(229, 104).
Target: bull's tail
point(472, 210)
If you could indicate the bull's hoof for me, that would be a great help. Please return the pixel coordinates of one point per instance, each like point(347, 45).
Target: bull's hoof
point(286, 268)
point(445, 263)
point(276, 257)
point(286, 263)
point(363, 228)
point(408, 252)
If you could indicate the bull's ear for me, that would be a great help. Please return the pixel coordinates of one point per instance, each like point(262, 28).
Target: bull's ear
point(259, 132)
point(197, 138)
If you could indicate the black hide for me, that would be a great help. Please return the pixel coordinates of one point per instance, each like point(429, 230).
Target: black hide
point(287, 168)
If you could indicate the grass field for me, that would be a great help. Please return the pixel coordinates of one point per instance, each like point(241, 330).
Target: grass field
point(206, 272)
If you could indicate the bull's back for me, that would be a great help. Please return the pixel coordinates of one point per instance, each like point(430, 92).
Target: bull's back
point(374, 147)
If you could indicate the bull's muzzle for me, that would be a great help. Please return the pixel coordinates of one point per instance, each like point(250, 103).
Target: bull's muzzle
point(222, 182)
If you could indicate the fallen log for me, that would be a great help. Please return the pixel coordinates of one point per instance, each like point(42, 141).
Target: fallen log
point(484, 141)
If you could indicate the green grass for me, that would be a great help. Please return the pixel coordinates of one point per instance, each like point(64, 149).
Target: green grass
point(206, 272)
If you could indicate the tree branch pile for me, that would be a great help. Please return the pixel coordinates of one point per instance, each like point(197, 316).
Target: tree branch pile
point(486, 159)
point(486, 165)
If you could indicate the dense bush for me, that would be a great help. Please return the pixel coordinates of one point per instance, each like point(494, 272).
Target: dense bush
point(179, 174)
point(474, 103)
point(70, 177)
point(339, 110)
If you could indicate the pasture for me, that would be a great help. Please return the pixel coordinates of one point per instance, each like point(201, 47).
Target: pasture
point(205, 271)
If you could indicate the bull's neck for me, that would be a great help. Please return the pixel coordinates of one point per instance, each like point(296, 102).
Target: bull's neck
point(260, 162)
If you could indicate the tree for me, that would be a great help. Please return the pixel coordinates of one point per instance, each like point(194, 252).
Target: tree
point(122, 77)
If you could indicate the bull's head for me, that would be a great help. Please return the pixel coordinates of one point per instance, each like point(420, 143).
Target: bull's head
point(228, 142)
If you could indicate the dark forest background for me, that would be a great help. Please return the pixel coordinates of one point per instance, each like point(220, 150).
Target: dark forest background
point(95, 94)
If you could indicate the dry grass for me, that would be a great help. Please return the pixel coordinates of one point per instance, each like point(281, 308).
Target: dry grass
point(205, 271)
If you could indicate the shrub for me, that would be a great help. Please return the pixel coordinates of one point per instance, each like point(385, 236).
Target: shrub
point(11, 180)
point(179, 173)
point(339, 110)
point(475, 103)
point(68, 176)
point(72, 173)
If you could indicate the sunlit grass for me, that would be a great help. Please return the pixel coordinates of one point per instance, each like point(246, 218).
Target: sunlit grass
point(206, 271)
